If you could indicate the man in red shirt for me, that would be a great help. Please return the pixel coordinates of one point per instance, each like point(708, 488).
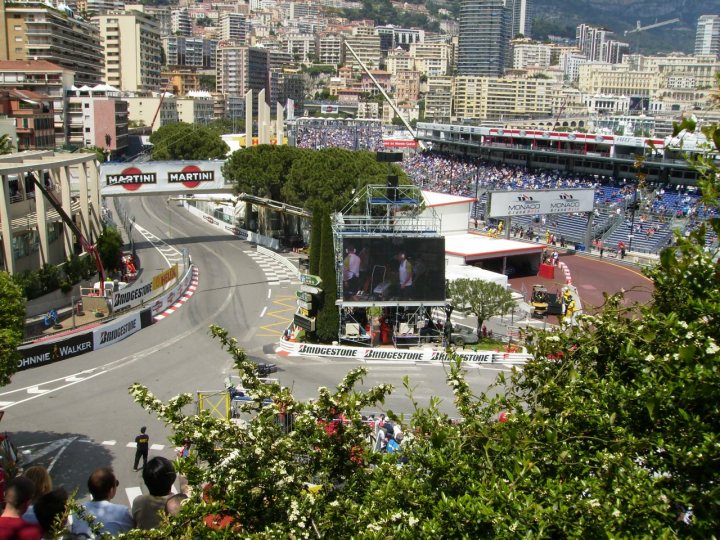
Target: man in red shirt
point(18, 495)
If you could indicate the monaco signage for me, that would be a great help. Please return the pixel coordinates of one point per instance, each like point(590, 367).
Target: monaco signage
point(532, 202)
point(163, 177)
point(309, 289)
point(309, 279)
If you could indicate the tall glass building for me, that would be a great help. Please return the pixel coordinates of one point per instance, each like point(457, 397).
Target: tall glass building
point(485, 33)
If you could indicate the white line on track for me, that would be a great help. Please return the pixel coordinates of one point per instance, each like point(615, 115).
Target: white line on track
point(269, 293)
point(262, 313)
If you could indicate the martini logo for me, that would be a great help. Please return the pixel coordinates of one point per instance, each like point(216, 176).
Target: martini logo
point(525, 198)
point(131, 179)
point(191, 176)
point(566, 196)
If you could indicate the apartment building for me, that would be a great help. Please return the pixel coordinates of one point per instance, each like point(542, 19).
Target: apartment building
point(90, 8)
point(301, 47)
point(231, 69)
point(399, 60)
point(37, 31)
point(707, 37)
point(494, 98)
point(44, 78)
point(196, 52)
point(329, 48)
point(180, 22)
point(485, 33)
point(143, 109)
point(406, 84)
point(438, 100)
point(392, 37)
point(234, 27)
point(33, 117)
point(97, 117)
point(195, 108)
point(597, 46)
point(366, 46)
point(179, 80)
point(527, 53)
point(132, 50)
point(432, 59)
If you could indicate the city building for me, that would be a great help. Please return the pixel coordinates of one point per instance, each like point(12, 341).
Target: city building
point(97, 117)
point(44, 78)
point(707, 38)
point(438, 100)
point(197, 52)
point(195, 108)
point(142, 110)
point(179, 80)
point(262, 63)
point(231, 69)
point(392, 37)
point(132, 50)
point(595, 44)
point(521, 18)
point(432, 59)
point(180, 22)
point(366, 46)
point(406, 84)
point(329, 48)
point(301, 47)
point(502, 97)
point(90, 8)
point(37, 31)
point(485, 27)
point(291, 85)
point(528, 53)
point(399, 60)
point(233, 27)
point(33, 116)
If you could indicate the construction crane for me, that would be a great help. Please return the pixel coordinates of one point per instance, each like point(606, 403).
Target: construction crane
point(639, 29)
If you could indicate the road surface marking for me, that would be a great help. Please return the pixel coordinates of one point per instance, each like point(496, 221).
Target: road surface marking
point(132, 494)
point(262, 313)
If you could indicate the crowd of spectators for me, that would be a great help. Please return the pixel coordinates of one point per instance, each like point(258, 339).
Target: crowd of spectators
point(319, 134)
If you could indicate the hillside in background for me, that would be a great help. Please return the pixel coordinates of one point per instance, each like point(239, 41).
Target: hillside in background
point(560, 17)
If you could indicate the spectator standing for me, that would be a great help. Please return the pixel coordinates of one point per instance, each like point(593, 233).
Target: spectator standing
point(114, 518)
point(18, 494)
point(142, 444)
point(40, 478)
point(159, 476)
point(49, 509)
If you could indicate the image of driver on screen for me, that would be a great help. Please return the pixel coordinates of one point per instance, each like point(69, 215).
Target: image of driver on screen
point(351, 272)
point(405, 276)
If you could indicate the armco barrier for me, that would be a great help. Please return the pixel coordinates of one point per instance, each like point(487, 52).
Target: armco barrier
point(76, 344)
point(250, 236)
point(413, 356)
point(164, 301)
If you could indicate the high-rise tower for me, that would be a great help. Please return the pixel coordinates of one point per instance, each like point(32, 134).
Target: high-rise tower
point(485, 32)
point(707, 38)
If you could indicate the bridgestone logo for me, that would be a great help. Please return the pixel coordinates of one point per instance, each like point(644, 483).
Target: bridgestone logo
point(112, 335)
point(198, 176)
point(328, 351)
point(392, 355)
point(124, 298)
point(120, 179)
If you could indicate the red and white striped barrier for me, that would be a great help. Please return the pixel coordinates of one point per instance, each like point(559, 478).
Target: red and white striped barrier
point(184, 298)
point(566, 271)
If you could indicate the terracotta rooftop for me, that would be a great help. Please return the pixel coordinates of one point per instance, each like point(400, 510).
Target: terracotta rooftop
point(29, 65)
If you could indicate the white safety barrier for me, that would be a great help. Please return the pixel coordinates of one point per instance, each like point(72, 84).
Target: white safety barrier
point(282, 260)
point(411, 356)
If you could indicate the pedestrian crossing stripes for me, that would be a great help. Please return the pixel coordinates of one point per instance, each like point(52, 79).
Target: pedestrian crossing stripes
point(274, 271)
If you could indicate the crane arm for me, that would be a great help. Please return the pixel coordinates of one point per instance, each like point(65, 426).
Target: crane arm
point(87, 246)
point(651, 26)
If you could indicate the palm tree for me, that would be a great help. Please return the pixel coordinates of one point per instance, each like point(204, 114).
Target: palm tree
point(6, 144)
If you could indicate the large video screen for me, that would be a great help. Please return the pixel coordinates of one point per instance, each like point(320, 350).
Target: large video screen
point(393, 268)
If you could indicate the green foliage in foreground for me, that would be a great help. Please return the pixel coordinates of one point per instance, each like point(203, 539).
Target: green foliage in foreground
point(613, 431)
point(12, 325)
point(187, 141)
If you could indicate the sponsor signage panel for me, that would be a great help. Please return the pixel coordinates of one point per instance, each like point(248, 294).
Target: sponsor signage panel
point(131, 296)
point(111, 333)
point(304, 322)
point(310, 290)
point(162, 177)
point(166, 277)
point(530, 203)
point(309, 279)
point(329, 109)
point(385, 268)
point(425, 355)
point(47, 353)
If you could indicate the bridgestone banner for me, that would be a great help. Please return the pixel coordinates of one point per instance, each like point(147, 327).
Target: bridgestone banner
point(117, 330)
point(531, 203)
point(47, 353)
point(157, 177)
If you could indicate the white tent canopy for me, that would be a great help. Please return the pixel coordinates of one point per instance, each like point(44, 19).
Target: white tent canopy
point(460, 271)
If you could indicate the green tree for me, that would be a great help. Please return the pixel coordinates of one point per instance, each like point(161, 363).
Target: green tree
point(109, 246)
point(12, 326)
point(261, 170)
point(187, 141)
point(315, 242)
point(483, 299)
point(327, 323)
point(6, 144)
point(329, 177)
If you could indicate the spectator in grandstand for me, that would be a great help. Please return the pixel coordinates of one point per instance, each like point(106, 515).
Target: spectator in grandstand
point(115, 518)
point(159, 476)
point(18, 494)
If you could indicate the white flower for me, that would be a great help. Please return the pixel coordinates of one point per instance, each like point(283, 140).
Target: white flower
point(553, 338)
point(413, 521)
point(712, 348)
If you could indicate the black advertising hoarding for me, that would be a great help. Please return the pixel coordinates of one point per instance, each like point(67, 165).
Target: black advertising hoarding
point(407, 269)
point(47, 353)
